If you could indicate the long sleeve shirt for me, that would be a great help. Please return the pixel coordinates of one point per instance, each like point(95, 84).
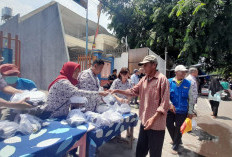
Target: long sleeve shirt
point(154, 96)
point(193, 81)
point(61, 92)
point(87, 80)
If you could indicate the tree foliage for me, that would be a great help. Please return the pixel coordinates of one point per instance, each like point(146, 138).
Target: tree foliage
point(193, 30)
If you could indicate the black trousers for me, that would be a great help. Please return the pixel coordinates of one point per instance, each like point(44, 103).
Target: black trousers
point(214, 107)
point(134, 100)
point(150, 140)
point(174, 122)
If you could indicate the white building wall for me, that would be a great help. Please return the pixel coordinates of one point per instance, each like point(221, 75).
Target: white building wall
point(43, 48)
point(161, 62)
point(121, 61)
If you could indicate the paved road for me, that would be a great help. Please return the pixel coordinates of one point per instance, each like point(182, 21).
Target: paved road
point(212, 138)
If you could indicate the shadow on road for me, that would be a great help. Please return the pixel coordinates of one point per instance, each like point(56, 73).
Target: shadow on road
point(216, 140)
point(186, 152)
point(223, 117)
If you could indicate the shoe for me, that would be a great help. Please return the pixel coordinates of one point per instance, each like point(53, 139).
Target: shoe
point(72, 153)
point(174, 152)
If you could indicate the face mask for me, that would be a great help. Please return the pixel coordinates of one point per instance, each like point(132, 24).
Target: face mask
point(11, 79)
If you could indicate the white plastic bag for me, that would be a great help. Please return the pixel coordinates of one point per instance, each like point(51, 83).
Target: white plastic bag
point(124, 108)
point(101, 121)
point(102, 108)
point(35, 97)
point(8, 129)
point(28, 124)
point(114, 107)
point(109, 99)
point(97, 119)
point(92, 116)
point(75, 118)
point(113, 116)
point(194, 124)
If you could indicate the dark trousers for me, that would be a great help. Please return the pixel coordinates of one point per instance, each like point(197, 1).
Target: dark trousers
point(150, 140)
point(214, 107)
point(134, 100)
point(174, 122)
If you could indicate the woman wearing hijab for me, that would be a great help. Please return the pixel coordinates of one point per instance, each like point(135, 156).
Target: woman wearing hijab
point(63, 88)
point(215, 90)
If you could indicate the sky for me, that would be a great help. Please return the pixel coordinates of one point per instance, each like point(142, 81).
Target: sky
point(23, 7)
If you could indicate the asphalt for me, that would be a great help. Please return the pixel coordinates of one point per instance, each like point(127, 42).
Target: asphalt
point(213, 137)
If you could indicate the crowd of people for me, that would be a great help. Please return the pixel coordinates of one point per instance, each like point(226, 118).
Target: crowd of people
point(162, 102)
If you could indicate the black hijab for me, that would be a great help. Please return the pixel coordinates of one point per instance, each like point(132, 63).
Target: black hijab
point(215, 86)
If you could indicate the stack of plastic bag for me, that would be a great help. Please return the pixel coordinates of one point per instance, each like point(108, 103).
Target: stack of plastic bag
point(92, 116)
point(75, 118)
point(97, 119)
point(109, 99)
point(123, 108)
point(28, 124)
point(8, 129)
point(102, 108)
point(112, 116)
point(35, 98)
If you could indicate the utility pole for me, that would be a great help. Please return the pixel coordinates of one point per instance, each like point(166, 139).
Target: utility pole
point(126, 43)
point(86, 49)
point(166, 57)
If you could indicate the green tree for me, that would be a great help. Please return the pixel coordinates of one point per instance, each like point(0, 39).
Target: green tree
point(192, 30)
point(209, 32)
point(131, 19)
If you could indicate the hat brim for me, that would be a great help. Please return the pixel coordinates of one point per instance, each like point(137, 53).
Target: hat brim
point(11, 73)
point(142, 63)
point(182, 70)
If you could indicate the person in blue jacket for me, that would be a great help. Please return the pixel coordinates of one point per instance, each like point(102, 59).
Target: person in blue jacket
point(181, 105)
point(10, 74)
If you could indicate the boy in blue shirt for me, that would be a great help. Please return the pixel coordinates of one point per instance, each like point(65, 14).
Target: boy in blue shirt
point(10, 73)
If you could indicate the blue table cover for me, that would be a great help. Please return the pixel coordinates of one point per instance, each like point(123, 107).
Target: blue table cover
point(99, 136)
point(55, 139)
